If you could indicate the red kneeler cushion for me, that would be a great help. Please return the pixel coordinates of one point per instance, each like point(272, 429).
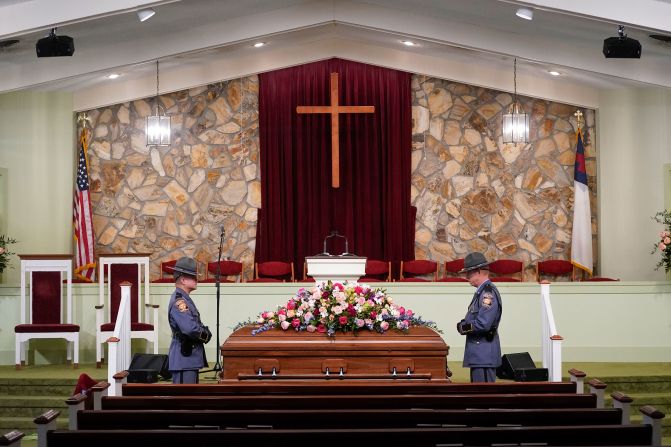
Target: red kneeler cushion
point(109, 327)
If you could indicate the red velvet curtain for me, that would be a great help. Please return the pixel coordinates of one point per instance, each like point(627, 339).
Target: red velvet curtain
point(299, 206)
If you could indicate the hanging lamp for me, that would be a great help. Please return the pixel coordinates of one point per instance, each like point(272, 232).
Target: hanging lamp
point(515, 122)
point(158, 125)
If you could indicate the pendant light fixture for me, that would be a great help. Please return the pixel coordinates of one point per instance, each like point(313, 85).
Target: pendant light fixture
point(158, 125)
point(515, 122)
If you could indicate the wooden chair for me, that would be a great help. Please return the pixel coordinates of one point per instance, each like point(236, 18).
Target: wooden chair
point(306, 278)
point(410, 270)
point(554, 268)
point(453, 267)
point(45, 311)
point(377, 271)
point(167, 269)
point(273, 271)
point(227, 269)
point(503, 268)
point(115, 269)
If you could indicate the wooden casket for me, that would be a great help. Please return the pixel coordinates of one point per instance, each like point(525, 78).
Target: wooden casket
point(419, 353)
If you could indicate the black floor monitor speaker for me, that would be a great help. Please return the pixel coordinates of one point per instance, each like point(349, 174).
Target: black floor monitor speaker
point(520, 368)
point(145, 368)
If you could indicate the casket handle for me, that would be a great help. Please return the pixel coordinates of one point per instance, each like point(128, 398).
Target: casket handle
point(339, 365)
point(262, 366)
point(401, 364)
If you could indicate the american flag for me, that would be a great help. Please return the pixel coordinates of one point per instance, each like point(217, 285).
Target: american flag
point(82, 220)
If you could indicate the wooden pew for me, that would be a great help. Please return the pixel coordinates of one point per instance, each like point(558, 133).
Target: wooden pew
point(350, 418)
point(346, 401)
point(336, 386)
point(558, 435)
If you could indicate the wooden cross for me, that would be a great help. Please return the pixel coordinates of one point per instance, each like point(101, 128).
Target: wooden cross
point(335, 110)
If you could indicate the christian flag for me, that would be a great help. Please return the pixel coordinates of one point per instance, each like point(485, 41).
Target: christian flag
point(581, 245)
point(83, 226)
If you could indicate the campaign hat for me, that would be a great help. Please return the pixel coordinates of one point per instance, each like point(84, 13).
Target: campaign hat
point(185, 266)
point(474, 261)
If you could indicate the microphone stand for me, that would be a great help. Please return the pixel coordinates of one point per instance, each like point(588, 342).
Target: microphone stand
point(217, 278)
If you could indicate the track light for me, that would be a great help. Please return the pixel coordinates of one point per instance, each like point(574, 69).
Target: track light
point(621, 46)
point(525, 13)
point(145, 14)
point(55, 46)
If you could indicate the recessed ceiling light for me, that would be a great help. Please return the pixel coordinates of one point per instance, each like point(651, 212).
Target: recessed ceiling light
point(145, 14)
point(525, 13)
point(259, 44)
point(113, 76)
point(408, 43)
point(554, 73)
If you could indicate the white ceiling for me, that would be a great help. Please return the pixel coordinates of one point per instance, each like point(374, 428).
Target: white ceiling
point(201, 41)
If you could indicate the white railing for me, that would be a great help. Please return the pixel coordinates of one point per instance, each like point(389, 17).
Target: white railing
point(118, 344)
point(551, 340)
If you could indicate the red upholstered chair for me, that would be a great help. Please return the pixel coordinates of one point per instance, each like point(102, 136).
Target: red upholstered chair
point(554, 268)
point(143, 325)
point(273, 271)
point(227, 268)
point(45, 311)
point(166, 272)
point(411, 270)
point(600, 278)
point(503, 269)
point(306, 278)
point(377, 271)
point(453, 268)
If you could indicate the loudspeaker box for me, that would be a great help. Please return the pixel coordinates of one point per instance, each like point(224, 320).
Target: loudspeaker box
point(145, 368)
point(520, 368)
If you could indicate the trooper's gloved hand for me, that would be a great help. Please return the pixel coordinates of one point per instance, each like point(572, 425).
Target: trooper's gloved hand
point(205, 335)
point(464, 328)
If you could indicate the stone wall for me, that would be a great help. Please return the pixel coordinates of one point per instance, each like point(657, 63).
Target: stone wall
point(474, 193)
point(172, 201)
point(471, 191)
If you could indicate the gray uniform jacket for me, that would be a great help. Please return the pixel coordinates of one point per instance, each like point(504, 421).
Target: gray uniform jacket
point(483, 313)
point(184, 319)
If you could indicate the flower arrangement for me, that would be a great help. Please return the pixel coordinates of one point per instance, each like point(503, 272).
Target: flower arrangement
point(331, 307)
point(664, 244)
point(4, 251)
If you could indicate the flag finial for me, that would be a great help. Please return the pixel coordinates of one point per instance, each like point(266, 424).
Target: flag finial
point(83, 120)
point(579, 118)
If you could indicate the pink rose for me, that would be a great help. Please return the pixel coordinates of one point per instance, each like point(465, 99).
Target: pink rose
point(310, 328)
point(2, 250)
point(281, 312)
point(373, 315)
point(270, 314)
point(296, 322)
point(358, 290)
point(338, 286)
point(401, 310)
point(291, 305)
point(662, 246)
point(321, 328)
point(409, 313)
point(384, 325)
point(285, 325)
point(282, 317)
point(342, 320)
point(359, 322)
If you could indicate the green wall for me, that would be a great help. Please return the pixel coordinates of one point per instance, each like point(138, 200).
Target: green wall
point(37, 152)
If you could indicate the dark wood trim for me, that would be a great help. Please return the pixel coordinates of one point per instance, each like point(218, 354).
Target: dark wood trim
point(46, 417)
point(652, 412)
point(621, 397)
point(46, 257)
point(597, 384)
point(11, 437)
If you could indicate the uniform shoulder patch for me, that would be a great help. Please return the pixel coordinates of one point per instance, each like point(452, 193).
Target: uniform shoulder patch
point(181, 305)
point(487, 299)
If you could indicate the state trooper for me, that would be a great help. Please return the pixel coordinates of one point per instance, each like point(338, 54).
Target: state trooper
point(187, 352)
point(480, 325)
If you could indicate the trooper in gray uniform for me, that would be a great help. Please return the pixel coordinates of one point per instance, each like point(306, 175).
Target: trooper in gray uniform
point(480, 325)
point(187, 353)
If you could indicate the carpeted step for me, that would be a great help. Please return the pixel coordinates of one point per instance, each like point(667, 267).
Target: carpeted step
point(28, 406)
point(26, 424)
point(37, 387)
point(639, 384)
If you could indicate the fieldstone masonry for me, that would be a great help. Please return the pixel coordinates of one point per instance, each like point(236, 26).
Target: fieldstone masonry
point(471, 191)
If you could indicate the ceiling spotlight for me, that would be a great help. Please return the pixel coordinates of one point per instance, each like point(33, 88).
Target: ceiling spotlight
point(525, 13)
point(259, 44)
point(408, 43)
point(145, 14)
point(113, 76)
point(621, 46)
point(554, 73)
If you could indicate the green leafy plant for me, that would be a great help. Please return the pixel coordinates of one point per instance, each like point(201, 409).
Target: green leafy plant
point(4, 251)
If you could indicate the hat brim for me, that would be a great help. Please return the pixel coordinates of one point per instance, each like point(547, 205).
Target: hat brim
point(474, 267)
point(184, 271)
